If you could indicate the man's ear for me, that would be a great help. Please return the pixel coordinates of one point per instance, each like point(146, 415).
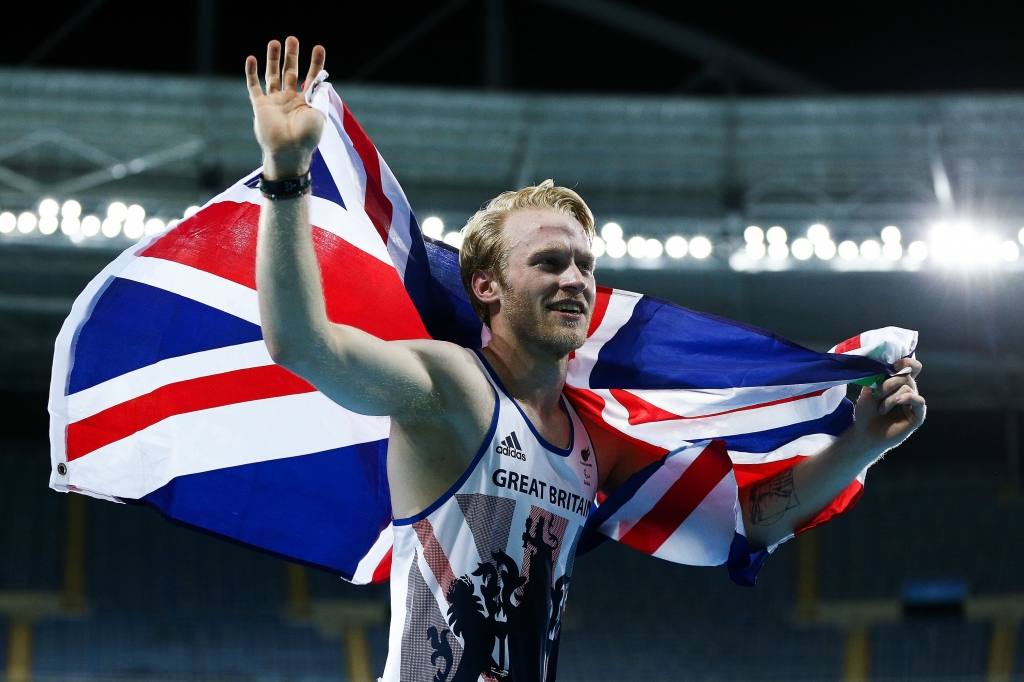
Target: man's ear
point(486, 287)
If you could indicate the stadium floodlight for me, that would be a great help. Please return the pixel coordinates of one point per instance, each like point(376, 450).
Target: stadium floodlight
point(71, 209)
point(890, 234)
point(433, 227)
point(637, 247)
point(616, 248)
point(989, 249)
point(111, 228)
point(70, 226)
point(676, 247)
point(777, 235)
point(90, 226)
point(611, 232)
point(191, 211)
point(700, 247)
point(892, 250)
point(753, 235)
point(154, 225)
point(755, 250)
point(870, 249)
point(135, 212)
point(653, 248)
point(134, 229)
point(8, 222)
point(802, 249)
point(825, 249)
point(453, 239)
point(1010, 251)
point(27, 222)
point(917, 250)
point(778, 250)
point(48, 208)
point(117, 211)
point(597, 247)
point(48, 224)
point(848, 250)
point(817, 233)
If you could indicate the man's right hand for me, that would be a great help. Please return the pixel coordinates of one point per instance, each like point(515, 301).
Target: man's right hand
point(287, 128)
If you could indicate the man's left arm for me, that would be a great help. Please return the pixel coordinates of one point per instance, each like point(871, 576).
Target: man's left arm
point(775, 508)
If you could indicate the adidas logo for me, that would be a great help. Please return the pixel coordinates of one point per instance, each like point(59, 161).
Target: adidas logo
point(510, 447)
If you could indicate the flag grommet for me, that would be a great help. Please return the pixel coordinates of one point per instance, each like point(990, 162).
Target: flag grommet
point(62, 469)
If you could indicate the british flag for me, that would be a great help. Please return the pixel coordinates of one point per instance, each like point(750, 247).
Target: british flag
point(163, 391)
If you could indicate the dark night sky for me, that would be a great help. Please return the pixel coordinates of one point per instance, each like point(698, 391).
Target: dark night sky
point(865, 46)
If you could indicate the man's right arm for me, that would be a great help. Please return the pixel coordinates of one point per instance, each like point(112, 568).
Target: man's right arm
point(355, 369)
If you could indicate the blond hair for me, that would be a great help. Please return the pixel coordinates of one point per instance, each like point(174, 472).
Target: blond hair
point(483, 244)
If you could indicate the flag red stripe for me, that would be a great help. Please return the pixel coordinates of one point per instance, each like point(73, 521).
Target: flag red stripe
point(359, 290)
point(643, 412)
point(383, 570)
point(604, 296)
point(676, 505)
point(848, 345)
point(121, 421)
point(378, 206)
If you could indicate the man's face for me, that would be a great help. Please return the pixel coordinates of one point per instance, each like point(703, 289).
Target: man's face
point(547, 292)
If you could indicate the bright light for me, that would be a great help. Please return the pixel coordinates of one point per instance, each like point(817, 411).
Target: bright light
point(154, 225)
point(753, 235)
point(135, 212)
point(454, 239)
point(802, 249)
point(597, 247)
point(676, 247)
point(48, 208)
point(70, 226)
point(7, 222)
point(433, 227)
point(825, 249)
point(117, 211)
point(616, 248)
point(653, 248)
point(777, 250)
point(817, 233)
point(848, 250)
point(111, 228)
point(133, 229)
point(756, 250)
point(700, 247)
point(90, 226)
point(1010, 251)
point(611, 232)
point(989, 249)
point(892, 250)
point(1020, 235)
point(48, 224)
point(891, 234)
point(776, 235)
point(917, 250)
point(870, 249)
point(71, 209)
point(191, 211)
point(637, 247)
point(26, 222)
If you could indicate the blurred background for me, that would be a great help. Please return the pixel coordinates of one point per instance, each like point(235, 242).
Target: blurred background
point(813, 168)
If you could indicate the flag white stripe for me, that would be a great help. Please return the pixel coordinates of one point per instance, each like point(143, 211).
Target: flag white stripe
point(705, 536)
point(222, 437)
point(139, 382)
point(198, 285)
point(368, 564)
point(690, 402)
point(801, 447)
point(620, 309)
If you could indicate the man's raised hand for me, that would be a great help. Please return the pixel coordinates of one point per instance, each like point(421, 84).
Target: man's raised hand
point(287, 128)
point(885, 417)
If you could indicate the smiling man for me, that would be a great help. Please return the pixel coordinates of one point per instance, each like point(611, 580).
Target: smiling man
point(492, 472)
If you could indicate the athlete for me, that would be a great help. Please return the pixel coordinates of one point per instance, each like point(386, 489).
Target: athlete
point(492, 473)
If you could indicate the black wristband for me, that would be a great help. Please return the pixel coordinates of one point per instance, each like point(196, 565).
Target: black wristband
point(288, 188)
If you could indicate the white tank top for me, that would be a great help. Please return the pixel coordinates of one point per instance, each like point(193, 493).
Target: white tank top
point(479, 578)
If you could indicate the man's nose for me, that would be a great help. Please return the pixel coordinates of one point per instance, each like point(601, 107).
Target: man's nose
point(572, 278)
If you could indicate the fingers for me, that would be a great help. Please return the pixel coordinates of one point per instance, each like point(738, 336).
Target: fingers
point(252, 81)
point(316, 63)
point(915, 407)
point(902, 396)
point(290, 75)
point(893, 384)
point(914, 364)
point(273, 74)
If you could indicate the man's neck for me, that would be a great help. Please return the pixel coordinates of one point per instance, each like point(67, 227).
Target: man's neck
point(528, 377)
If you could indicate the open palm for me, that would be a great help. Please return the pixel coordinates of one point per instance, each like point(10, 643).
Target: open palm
point(287, 128)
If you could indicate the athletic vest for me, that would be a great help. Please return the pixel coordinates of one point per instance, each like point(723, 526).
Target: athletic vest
point(479, 578)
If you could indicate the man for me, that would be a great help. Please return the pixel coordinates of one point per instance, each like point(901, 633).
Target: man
point(491, 471)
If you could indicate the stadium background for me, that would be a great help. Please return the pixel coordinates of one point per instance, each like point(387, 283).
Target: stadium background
point(696, 122)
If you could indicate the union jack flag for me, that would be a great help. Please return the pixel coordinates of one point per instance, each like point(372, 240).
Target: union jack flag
point(163, 391)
